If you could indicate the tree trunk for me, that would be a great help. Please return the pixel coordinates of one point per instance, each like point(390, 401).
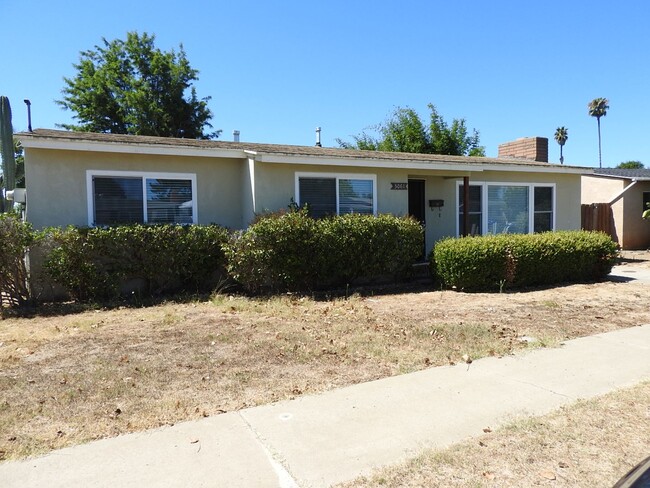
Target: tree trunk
point(600, 156)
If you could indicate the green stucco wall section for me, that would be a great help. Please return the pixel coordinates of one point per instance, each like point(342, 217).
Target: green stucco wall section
point(57, 193)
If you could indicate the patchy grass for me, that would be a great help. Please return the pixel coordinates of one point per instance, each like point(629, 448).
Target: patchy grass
point(592, 443)
point(68, 379)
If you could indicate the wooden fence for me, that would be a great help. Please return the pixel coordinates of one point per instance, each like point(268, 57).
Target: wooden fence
point(598, 216)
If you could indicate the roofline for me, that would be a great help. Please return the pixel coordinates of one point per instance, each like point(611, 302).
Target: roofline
point(416, 165)
point(363, 159)
point(622, 177)
point(122, 147)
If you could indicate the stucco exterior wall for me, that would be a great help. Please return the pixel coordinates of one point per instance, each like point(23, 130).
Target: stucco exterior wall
point(600, 190)
point(636, 230)
point(631, 231)
point(57, 193)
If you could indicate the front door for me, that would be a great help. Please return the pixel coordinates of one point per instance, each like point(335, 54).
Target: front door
point(417, 206)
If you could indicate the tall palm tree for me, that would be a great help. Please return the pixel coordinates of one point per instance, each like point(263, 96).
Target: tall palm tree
point(561, 136)
point(597, 108)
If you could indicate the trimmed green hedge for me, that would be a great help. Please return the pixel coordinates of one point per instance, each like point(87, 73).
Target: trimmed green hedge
point(519, 260)
point(99, 263)
point(298, 253)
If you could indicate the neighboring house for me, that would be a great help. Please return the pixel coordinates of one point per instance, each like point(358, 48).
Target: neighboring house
point(624, 194)
point(100, 179)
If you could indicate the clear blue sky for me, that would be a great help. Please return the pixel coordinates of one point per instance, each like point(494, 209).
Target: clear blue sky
point(276, 70)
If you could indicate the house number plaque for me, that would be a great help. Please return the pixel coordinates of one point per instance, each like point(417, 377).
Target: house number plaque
point(399, 186)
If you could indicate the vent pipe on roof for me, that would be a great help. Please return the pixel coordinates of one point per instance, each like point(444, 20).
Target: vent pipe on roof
point(235, 136)
point(29, 114)
point(318, 144)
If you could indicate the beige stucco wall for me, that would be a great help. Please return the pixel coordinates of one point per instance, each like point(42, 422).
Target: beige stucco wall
point(636, 230)
point(631, 231)
point(597, 189)
point(57, 193)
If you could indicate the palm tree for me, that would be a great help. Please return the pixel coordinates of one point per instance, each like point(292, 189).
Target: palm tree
point(561, 136)
point(597, 108)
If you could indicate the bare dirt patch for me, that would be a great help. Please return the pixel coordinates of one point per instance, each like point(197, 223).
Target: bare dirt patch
point(592, 443)
point(72, 378)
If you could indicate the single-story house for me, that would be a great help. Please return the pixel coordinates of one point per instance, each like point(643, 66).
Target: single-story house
point(90, 179)
point(624, 194)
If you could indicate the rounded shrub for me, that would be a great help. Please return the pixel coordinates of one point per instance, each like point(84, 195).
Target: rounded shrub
point(97, 263)
point(518, 260)
point(298, 253)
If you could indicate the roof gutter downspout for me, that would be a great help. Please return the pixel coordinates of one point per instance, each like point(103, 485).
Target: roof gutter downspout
point(623, 191)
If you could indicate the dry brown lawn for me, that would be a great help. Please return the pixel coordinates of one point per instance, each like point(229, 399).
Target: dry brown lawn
point(70, 378)
point(592, 443)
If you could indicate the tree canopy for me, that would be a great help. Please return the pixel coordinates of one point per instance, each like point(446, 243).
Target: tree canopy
point(132, 87)
point(631, 165)
point(561, 136)
point(404, 131)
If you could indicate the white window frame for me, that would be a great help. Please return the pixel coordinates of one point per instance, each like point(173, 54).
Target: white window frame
point(337, 177)
point(144, 176)
point(484, 202)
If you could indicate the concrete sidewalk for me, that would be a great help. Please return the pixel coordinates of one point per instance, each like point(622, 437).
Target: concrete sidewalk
point(319, 440)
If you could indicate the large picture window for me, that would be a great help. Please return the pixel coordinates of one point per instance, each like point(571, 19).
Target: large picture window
point(501, 208)
point(336, 194)
point(129, 197)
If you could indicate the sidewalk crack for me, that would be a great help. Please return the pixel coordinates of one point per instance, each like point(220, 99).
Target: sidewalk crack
point(285, 478)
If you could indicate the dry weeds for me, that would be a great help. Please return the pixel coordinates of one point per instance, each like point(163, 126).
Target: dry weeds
point(589, 444)
point(72, 378)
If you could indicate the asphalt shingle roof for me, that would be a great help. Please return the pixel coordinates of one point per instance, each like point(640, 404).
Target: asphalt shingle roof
point(313, 151)
point(623, 173)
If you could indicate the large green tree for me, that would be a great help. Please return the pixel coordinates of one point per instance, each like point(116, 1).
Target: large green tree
point(132, 87)
point(630, 165)
point(404, 131)
point(598, 108)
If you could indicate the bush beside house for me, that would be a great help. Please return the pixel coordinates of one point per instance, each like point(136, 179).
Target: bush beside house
point(501, 261)
point(103, 263)
point(287, 252)
point(298, 253)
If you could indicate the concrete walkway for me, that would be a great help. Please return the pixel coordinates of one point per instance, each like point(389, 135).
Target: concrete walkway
point(630, 273)
point(315, 441)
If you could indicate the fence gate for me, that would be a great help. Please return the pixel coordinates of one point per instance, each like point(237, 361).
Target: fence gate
point(598, 216)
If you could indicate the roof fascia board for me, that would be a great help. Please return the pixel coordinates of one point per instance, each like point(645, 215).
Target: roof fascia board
point(621, 177)
point(93, 146)
point(412, 165)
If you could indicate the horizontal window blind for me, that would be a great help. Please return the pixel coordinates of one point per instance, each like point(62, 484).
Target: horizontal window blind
point(169, 201)
point(355, 196)
point(319, 194)
point(118, 200)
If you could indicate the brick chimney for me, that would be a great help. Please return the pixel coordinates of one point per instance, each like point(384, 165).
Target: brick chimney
point(533, 148)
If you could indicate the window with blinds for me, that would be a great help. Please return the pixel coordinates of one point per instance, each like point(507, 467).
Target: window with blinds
point(501, 208)
point(118, 200)
point(169, 201)
point(141, 199)
point(319, 194)
point(334, 195)
point(508, 209)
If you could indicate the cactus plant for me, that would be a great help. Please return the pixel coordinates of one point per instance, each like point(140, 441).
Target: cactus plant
point(7, 148)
